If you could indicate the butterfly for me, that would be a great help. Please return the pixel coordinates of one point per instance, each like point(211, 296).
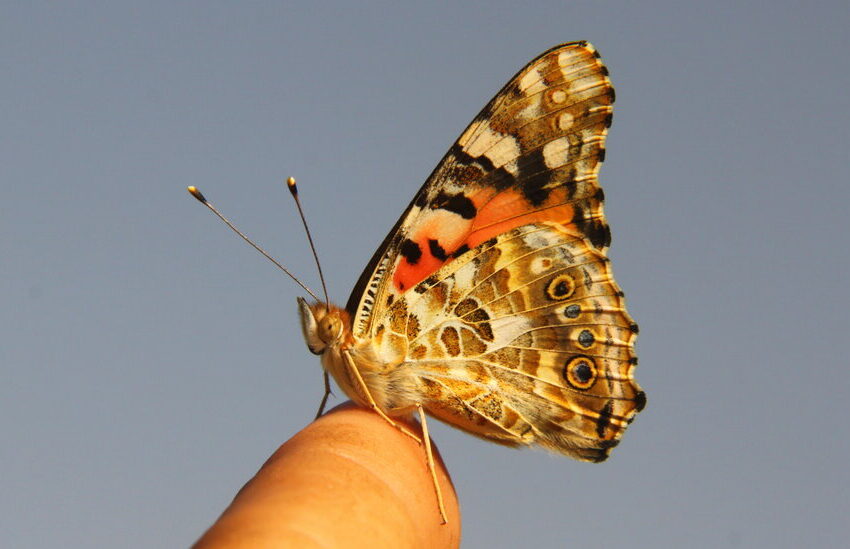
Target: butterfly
point(491, 304)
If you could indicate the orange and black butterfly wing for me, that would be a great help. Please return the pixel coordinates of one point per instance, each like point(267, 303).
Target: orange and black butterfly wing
point(494, 287)
point(531, 155)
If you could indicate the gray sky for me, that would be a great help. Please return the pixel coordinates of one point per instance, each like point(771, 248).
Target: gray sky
point(151, 362)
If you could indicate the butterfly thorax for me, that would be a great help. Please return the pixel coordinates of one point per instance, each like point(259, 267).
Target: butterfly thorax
point(327, 332)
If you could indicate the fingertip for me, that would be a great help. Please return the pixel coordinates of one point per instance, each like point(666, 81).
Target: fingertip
point(347, 479)
point(399, 462)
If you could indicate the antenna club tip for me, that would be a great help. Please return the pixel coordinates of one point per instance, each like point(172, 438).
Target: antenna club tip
point(290, 182)
point(196, 193)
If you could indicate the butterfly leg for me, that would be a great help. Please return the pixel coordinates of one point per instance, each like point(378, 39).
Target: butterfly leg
point(324, 398)
point(355, 374)
point(429, 455)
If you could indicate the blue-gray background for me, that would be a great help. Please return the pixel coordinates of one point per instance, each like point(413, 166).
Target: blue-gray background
point(151, 362)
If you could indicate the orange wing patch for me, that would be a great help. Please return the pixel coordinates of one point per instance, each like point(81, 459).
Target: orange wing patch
point(445, 235)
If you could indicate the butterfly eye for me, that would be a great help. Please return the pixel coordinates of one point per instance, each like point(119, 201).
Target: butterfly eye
point(330, 328)
point(580, 372)
point(560, 287)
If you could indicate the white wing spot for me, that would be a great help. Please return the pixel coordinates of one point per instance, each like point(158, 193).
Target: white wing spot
point(555, 152)
point(470, 132)
point(499, 148)
point(537, 240)
point(565, 121)
point(569, 58)
point(506, 329)
point(465, 276)
point(558, 96)
point(540, 265)
point(531, 78)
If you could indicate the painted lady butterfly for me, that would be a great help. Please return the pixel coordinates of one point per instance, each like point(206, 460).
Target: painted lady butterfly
point(491, 304)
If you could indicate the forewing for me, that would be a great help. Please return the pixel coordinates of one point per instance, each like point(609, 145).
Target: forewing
point(530, 156)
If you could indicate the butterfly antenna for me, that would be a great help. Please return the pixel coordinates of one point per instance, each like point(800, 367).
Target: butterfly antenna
point(202, 199)
point(290, 183)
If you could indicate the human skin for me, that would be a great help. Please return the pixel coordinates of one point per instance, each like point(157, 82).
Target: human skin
point(349, 479)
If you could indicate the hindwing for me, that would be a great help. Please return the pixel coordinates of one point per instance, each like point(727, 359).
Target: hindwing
point(524, 340)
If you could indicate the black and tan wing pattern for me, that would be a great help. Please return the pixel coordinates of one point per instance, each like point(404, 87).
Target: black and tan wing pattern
point(493, 292)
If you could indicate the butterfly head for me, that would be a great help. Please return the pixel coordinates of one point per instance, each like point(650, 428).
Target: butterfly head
point(323, 325)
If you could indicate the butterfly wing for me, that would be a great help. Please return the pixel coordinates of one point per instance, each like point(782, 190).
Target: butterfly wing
point(494, 287)
point(523, 340)
point(531, 155)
